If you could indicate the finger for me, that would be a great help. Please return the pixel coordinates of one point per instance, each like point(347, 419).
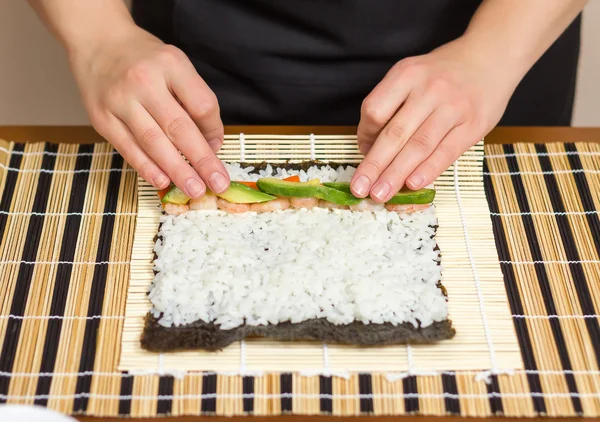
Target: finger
point(389, 143)
point(199, 101)
point(183, 132)
point(123, 140)
point(418, 148)
point(447, 152)
point(379, 107)
point(157, 145)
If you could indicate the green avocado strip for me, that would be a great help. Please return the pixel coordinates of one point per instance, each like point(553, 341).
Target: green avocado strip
point(238, 193)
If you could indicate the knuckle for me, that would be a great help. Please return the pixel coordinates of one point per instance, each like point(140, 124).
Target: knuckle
point(430, 169)
point(206, 108)
point(112, 96)
point(97, 118)
point(172, 54)
point(146, 169)
point(138, 74)
point(373, 112)
point(372, 166)
point(406, 63)
point(448, 151)
point(395, 174)
point(439, 85)
point(179, 174)
point(202, 162)
point(150, 136)
point(178, 127)
point(395, 132)
point(422, 141)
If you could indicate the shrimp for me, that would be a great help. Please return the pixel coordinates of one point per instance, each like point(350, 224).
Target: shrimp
point(206, 202)
point(176, 209)
point(278, 204)
point(331, 205)
point(367, 205)
point(307, 203)
point(406, 209)
point(230, 207)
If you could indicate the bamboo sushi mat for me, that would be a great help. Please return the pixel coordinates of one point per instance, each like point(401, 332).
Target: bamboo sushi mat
point(67, 224)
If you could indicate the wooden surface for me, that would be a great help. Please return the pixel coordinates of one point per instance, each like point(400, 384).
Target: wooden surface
point(84, 134)
point(329, 419)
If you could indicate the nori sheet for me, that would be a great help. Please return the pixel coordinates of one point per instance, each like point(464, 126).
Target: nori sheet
point(201, 335)
point(208, 336)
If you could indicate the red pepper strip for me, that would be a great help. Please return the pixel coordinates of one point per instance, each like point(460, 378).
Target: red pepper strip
point(250, 184)
point(163, 192)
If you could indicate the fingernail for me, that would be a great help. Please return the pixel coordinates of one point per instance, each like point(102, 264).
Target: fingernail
point(215, 144)
point(380, 191)
point(160, 181)
point(218, 182)
point(361, 186)
point(414, 182)
point(194, 188)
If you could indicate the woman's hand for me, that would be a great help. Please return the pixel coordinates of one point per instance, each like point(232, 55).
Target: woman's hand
point(147, 100)
point(424, 114)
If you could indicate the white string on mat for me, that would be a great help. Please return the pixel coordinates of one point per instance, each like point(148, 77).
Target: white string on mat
point(391, 375)
point(66, 262)
point(58, 154)
point(556, 316)
point(326, 369)
point(312, 147)
point(544, 154)
point(548, 213)
point(18, 170)
point(242, 357)
point(61, 317)
point(409, 359)
point(161, 364)
point(539, 173)
point(66, 214)
point(242, 140)
point(491, 394)
point(583, 261)
point(486, 327)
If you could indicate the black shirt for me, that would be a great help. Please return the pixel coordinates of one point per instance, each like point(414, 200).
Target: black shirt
point(314, 61)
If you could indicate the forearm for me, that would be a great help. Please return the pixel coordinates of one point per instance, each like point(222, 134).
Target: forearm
point(81, 24)
point(517, 32)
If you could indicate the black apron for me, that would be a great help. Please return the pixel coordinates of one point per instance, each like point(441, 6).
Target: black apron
point(312, 62)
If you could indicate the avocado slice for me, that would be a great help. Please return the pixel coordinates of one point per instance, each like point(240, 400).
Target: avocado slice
point(403, 197)
point(239, 193)
point(305, 190)
point(175, 196)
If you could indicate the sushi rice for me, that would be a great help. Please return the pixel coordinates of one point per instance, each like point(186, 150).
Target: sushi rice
point(297, 265)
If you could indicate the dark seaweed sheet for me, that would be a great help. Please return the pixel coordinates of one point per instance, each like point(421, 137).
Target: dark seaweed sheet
point(208, 336)
point(201, 335)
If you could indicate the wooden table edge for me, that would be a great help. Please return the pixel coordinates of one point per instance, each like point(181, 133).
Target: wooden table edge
point(298, 418)
point(500, 135)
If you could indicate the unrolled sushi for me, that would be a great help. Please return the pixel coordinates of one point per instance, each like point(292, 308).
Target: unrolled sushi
point(299, 269)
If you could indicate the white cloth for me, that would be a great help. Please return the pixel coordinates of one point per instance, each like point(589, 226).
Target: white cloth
point(20, 413)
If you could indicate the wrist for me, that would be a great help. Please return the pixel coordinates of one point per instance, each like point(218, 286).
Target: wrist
point(89, 41)
point(493, 57)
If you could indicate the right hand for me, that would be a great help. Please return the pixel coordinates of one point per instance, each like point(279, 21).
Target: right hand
point(148, 101)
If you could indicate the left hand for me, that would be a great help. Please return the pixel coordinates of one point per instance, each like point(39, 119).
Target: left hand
point(425, 113)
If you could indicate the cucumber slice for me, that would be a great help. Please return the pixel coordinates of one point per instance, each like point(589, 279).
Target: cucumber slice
point(403, 197)
point(305, 190)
